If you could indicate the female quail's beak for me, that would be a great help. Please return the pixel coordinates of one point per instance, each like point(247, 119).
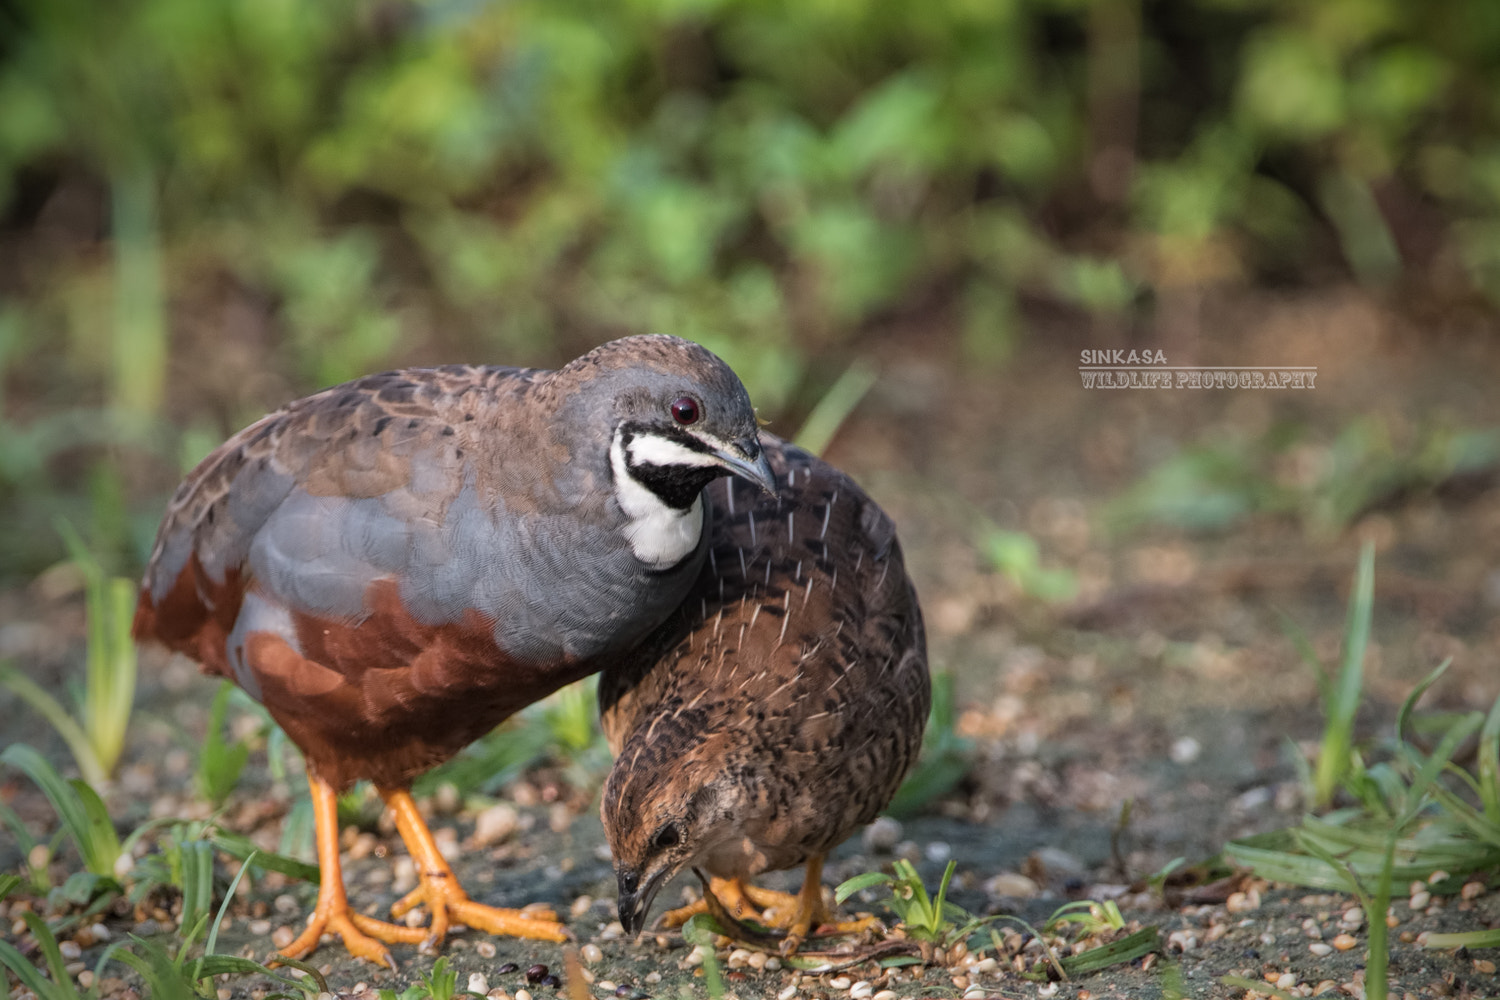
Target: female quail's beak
point(635, 897)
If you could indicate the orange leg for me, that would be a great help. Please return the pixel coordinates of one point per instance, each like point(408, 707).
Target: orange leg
point(811, 913)
point(362, 935)
point(445, 899)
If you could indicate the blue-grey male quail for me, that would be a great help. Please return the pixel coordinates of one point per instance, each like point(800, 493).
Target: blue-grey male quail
point(396, 564)
point(778, 709)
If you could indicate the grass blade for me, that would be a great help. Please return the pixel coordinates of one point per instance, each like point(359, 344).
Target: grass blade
point(50, 709)
point(830, 412)
point(1126, 949)
point(1338, 733)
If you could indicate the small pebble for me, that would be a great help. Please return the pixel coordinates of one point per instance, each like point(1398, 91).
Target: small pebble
point(69, 950)
point(1485, 966)
point(738, 959)
point(478, 983)
point(975, 992)
point(1185, 750)
point(100, 932)
point(282, 936)
point(1286, 980)
point(773, 964)
point(608, 986)
point(885, 995)
point(591, 953)
point(286, 903)
point(1012, 884)
point(1420, 900)
point(1353, 916)
point(1344, 942)
point(1320, 949)
point(86, 978)
point(486, 949)
point(653, 977)
point(498, 993)
point(260, 928)
point(840, 983)
point(938, 851)
point(523, 995)
point(581, 906)
point(1472, 890)
point(536, 974)
point(986, 965)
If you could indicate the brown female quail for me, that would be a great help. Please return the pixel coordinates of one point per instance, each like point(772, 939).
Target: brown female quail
point(778, 710)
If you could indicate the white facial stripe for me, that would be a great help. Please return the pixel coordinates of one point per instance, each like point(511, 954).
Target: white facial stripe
point(649, 449)
point(660, 536)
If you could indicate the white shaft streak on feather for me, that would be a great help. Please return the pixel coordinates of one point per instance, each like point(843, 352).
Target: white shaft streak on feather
point(744, 569)
point(807, 594)
point(750, 517)
point(791, 517)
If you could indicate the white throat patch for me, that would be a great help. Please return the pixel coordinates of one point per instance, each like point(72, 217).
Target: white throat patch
point(660, 536)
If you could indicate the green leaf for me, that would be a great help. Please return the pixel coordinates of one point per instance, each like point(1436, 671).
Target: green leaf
point(867, 880)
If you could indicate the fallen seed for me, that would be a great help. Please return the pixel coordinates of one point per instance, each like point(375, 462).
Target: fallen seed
point(591, 952)
point(282, 936)
point(608, 986)
point(1484, 965)
point(1472, 890)
point(478, 983)
point(787, 993)
point(1344, 942)
point(885, 995)
point(840, 983)
point(536, 974)
point(86, 978)
point(523, 995)
point(1320, 949)
point(498, 993)
point(653, 976)
point(1419, 900)
point(773, 964)
point(1354, 915)
point(861, 990)
point(581, 905)
point(286, 903)
point(260, 928)
point(486, 949)
point(738, 959)
point(550, 979)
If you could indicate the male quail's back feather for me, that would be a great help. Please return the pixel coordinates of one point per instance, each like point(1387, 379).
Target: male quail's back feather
point(795, 673)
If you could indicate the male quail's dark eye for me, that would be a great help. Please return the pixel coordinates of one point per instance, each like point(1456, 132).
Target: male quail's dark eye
point(667, 836)
point(685, 410)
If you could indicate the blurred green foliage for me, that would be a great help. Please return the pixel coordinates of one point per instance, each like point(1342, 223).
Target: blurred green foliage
point(212, 205)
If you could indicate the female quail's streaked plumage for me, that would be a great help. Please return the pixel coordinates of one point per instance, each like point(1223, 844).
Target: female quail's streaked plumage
point(396, 564)
point(778, 710)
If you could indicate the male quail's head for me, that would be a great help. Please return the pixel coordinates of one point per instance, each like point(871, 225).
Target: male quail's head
point(678, 418)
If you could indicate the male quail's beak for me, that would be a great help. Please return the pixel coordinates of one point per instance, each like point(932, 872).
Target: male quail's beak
point(746, 459)
point(635, 898)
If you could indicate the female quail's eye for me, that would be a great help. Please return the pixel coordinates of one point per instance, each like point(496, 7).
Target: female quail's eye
point(685, 410)
point(667, 836)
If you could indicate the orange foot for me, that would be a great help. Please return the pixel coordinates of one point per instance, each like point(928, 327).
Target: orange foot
point(797, 915)
point(445, 899)
point(362, 935)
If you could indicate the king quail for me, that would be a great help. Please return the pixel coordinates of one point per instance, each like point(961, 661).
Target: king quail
point(396, 564)
point(778, 709)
